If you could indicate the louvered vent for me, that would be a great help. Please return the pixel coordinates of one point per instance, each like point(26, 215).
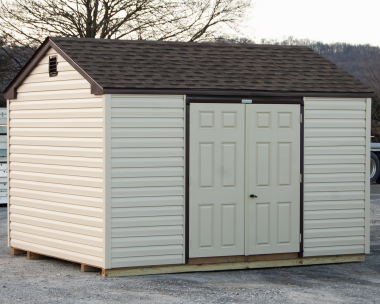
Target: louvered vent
point(53, 71)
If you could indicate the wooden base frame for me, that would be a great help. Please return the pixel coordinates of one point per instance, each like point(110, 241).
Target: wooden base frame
point(211, 264)
point(121, 272)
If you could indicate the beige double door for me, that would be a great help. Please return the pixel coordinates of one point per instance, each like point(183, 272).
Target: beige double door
point(244, 187)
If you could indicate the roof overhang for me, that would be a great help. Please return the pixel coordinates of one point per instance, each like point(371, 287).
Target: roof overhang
point(11, 91)
point(237, 93)
point(96, 89)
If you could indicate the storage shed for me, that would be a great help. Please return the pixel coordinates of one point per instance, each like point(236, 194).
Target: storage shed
point(153, 157)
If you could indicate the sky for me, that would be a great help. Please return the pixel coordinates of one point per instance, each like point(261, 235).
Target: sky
point(355, 22)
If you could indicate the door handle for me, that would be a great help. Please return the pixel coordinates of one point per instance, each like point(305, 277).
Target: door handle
point(252, 195)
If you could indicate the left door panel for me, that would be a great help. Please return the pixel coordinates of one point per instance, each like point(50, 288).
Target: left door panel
point(216, 191)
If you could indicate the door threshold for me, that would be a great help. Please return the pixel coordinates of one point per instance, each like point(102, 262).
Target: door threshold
point(243, 258)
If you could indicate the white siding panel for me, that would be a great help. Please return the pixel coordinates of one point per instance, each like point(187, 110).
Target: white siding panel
point(147, 180)
point(56, 165)
point(146, 251)
point(335, 150)
point(334, 241)
point(148, 172)
point(57, 225)
point(56, 243)
point(58, 216)
point(63, 170)
point(57, 197)
point(333, 250)
point(334, 232)
point(57, 234)
point(94, 102)
point(166, 259)
point(334, 181)
point(147, 231)
point(53, 151)
point(58, 207)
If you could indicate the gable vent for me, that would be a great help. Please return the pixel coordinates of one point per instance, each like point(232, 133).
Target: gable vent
point(53, 71)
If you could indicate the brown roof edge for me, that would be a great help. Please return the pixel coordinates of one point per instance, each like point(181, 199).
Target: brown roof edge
point(237, 93)
point(11, 91)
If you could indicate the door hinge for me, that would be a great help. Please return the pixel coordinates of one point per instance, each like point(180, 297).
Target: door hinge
point(300, 118)
point(300, 178)
point(300, 238)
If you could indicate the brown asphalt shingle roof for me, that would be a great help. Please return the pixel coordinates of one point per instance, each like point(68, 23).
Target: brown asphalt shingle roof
point(123, 64)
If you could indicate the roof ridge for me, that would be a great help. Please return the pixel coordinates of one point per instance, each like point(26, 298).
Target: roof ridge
point(247, 45)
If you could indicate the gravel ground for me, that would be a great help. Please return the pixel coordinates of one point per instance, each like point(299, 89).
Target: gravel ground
point(56, 281)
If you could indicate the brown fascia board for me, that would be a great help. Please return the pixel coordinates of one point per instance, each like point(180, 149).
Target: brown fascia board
point(11, 91)
point(236, 93)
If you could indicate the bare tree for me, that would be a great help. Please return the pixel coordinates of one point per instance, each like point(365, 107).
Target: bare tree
point(28, 22)
point(372, 68)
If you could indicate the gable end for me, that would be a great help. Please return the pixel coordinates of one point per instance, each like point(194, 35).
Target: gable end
point(11, 91)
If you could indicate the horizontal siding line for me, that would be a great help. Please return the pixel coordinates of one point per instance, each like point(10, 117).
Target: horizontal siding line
point(147, 201)
point(117, 229)
point(334, 237)
point(146, 186)
point(49, 224)
point(337, 118)
point(57, 197)
point(137, 96)
point(58, 188)
point(62, 139)
point(59, 253)
point(18, 208)
point(45, 168)
point(57, 151)
point(59, 217)
point(146, 246)
point(129, 197)
point(146, 251)
point(144, 128)
point(147, 107)
point(56, 243)
point(163, 156)
point(336, 155)
point(59, 235)
point(63, 176)
point(59, 91)
point(59, 207)
point(165, 259)
point(82, 103)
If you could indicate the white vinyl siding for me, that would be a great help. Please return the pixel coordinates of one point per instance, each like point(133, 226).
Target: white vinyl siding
point(56, 165)
point(147, 180)
point(335, 176)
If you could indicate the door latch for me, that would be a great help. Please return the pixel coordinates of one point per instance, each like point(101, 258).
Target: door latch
point(252, 195)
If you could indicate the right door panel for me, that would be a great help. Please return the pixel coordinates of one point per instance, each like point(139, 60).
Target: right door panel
point(273, 176)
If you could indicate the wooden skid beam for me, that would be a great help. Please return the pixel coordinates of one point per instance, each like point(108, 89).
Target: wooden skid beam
point(87, 268)
point(119, 272)
point(35, 256)
point(16, 251)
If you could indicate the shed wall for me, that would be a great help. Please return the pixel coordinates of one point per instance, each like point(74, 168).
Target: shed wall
point(147, 180)
point(56, 165)
point(336, 150)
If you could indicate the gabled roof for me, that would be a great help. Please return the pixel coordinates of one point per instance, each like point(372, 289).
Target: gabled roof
point(122, 66)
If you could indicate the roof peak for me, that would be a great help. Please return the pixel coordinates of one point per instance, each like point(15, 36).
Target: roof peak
point(125, 41)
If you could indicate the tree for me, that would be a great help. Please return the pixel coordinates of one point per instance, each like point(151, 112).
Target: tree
point(28, 22)
point(12, 59)
point(372, 68)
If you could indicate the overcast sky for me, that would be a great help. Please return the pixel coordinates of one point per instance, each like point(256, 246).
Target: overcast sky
point(353, 21)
